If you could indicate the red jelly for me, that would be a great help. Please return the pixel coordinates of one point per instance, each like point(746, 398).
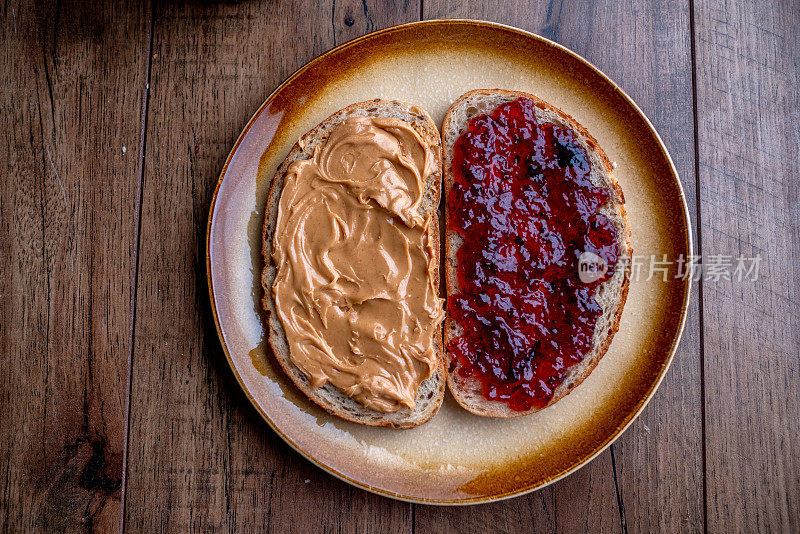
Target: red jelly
point(523, 202)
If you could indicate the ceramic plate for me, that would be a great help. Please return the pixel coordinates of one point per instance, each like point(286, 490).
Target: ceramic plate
point(457, 457)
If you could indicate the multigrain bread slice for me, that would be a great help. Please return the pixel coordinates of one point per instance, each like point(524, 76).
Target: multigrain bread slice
point(610, 295)
point(431, 391)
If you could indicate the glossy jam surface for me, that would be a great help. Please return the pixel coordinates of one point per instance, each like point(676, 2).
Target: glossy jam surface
point(526, 209)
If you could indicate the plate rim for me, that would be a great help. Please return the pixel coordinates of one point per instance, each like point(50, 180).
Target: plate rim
point(687, 290)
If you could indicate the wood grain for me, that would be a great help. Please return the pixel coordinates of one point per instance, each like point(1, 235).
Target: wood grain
point(533, 512)
point(71, 111)
point(645, 47)
point(748, 106)
point(200, 457)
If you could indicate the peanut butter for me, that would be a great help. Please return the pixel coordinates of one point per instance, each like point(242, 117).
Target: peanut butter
point(355, 287)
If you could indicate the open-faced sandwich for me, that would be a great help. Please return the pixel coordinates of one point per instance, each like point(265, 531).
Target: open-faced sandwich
point(536, 259)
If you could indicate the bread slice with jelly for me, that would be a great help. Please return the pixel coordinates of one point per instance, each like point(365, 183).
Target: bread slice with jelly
point(431, 391)
point(467, 388)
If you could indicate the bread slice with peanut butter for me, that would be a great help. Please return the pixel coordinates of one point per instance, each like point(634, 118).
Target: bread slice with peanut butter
point(351, 276)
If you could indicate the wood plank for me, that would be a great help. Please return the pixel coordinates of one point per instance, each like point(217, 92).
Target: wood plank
point(71, 121)
point(748, 106)
point(589, 500)
point(645, 48)
point(200, 456)
point(534, 512)
point(530, 513)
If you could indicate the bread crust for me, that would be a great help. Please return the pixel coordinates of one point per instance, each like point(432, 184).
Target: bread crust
point(468, 391)
point(331, 399)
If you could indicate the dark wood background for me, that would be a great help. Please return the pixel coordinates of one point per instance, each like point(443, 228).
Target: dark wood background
point(117, 408)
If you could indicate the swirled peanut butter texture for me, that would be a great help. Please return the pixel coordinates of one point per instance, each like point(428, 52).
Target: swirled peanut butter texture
point(355, 288)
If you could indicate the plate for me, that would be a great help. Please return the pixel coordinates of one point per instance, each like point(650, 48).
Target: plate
point(457, 457)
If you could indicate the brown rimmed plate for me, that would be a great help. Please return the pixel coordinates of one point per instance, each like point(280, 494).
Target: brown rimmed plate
point(457, 457)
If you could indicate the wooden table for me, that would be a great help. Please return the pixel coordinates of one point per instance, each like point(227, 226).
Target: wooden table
point(117, 408)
